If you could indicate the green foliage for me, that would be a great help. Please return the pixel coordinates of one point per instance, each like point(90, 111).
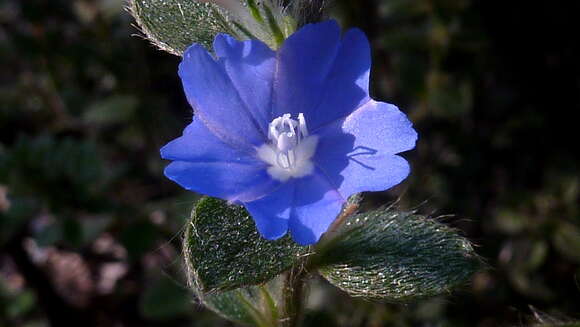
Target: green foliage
point(139, 238)
point(43, 172)
point(173, 25)
point(111, 110)
point(253, 305)
point(224, 251)
point(164, 299)
point(17, 215)
point(13, 304)
point(236, 305)
point(383, 255)
point(566, 240)
point(397, 257)
point(487, 95)
point(36, 165)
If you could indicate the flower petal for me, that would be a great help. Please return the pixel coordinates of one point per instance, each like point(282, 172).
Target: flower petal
point(320, 75)
point(232, 181)
point(304, 61)
point(347, 86)
point(216, 101)
point(358, 153)
point(199, 144)
point(272, 212)
point(316, 205)
point(250, 65)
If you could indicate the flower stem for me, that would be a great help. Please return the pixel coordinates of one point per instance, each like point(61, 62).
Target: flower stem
point(293, 288)
point(293, 294)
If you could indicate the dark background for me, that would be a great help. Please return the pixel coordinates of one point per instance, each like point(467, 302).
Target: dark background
point(90, 229)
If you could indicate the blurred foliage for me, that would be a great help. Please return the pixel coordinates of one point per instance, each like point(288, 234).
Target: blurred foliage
point(90, 230)
point(176, 300)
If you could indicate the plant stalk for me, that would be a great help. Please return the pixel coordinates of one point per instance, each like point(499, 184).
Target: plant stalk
point(293, 295)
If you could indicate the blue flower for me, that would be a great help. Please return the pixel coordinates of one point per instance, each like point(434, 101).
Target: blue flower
point(289, 134)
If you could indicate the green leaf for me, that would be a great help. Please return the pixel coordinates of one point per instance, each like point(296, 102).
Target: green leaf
point(173, 25)
point(396, 256)
point(165, 299)
point(49, 234)
point(18, 214)
point(253, 305)
point(235, 305)
point(224, 251)
point(58, 171)
point(21, 304)
point(92, 227)
point(112, 110)
point(566, 241)
point(138, 238)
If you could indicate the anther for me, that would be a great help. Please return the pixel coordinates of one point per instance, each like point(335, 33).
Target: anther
point(286, 134)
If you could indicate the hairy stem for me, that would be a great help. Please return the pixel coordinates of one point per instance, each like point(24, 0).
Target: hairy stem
point(293, 295)
point(293, 291)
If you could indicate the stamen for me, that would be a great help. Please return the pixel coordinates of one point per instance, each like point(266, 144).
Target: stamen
point(302, 125)
point(290, 148)
point(286, 134)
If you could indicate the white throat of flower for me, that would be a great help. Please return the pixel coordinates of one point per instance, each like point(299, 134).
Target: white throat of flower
point(290, 148)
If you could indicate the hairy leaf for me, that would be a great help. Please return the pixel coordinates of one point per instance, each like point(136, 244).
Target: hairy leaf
point(224, 251)
point(396, 256)
point(253, 305)
point(173, 25)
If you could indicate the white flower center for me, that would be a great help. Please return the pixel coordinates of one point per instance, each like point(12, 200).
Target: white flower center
point(290, 148)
